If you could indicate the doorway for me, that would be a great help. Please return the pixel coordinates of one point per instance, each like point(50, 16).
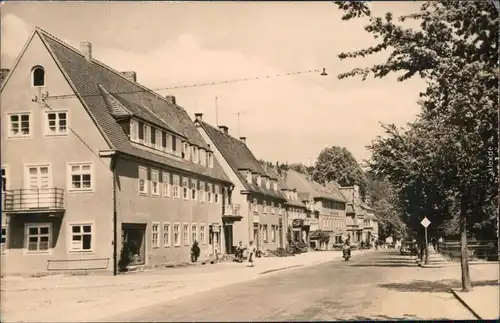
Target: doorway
point(256, 236)
point(228, 236)
point(133, 244)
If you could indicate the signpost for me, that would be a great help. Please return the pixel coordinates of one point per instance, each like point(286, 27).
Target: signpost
point(425, 223)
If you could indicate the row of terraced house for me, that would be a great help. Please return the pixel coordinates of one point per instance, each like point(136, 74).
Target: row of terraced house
point(97, 168)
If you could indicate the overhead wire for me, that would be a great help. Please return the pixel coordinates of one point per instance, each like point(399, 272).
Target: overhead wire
point(69, 96)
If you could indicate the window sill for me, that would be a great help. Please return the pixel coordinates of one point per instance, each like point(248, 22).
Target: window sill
point(143, 194)
point(73, 190)
point(155, 195)
point(166, 246)
point(18, 137)
point(37, 253)
point(177, 245)
point(56, 135)
point(81, 251)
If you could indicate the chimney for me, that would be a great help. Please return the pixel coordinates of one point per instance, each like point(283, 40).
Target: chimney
point(224, 129)
point(198, 116)
point(86, 49)
point(244, 140)
point(130, 75)
point(171, 99)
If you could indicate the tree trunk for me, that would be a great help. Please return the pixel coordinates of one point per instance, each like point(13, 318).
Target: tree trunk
point(426, 249)
point(464, 257)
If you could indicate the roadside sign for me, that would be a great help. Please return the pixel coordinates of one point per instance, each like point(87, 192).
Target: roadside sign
point(425, 222)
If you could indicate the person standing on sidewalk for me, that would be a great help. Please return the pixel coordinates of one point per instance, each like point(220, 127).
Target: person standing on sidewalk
point(251, 253)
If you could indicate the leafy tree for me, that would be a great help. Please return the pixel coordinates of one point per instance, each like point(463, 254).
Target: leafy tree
point(338, 164)
point(455, 140)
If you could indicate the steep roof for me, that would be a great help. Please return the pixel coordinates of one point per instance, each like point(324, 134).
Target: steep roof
point(92, 81)
point(333, 187)
point(308, 188)
point(239, 157)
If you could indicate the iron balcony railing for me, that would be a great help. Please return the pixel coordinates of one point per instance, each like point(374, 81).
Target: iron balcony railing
point(20, 200)
point(232, 210)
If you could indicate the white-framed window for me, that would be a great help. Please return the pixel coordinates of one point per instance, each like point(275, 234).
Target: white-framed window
point(210, 159)
point(19, 124)
point(159, 139)
point(168, 143)
point(194, 189)
point(209, 192)
point(185, 234)
point(203, 234)
point(3, 241)
point(155, 182)
point(166, 184)
point(203, 157)
point(186, 151)
point(38, 237)
point(56, 123)
point(175, 184)
point(38, 76)
point(143, 180)
point(272, 208)
point(134, 130)
point(273, 233)
point(216, 194)
point(185, 188)
point(80, 237)
point(264, 207)
point(255, 206)
point(147, 135)
point(194, 233)
point(167, 235)
point(81, 178)
point(203, 195)
point(155, 235)
point(280, 210)
point(177, 234)
point(195, 154)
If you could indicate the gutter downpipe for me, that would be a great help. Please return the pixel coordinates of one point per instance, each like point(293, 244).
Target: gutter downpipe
point(115, 217)
point(112, 165)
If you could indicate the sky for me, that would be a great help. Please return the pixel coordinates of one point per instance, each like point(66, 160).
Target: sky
point(287, 119)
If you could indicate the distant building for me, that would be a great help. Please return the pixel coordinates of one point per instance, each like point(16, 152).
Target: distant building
point(257, 205)
point(327, 206)
point(3, 74)
point(103, 167)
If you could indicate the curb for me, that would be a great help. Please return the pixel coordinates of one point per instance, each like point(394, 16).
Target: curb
point(279, 269)
point(465, 304)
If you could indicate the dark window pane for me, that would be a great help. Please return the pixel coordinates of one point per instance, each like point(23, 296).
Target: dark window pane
point(77, 238)
point(141, 130)
point(38, 76)
point(44, 230)
point(76, 229)
point(174, 144)
point(153, 135)
point(33, 231)
point(44, 239)
point(164, 139)
point(33, 239)
point(87, 239)
point(33, 246)
point(86, 228)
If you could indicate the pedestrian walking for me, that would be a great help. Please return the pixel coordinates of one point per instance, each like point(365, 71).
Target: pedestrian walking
point(251, 253)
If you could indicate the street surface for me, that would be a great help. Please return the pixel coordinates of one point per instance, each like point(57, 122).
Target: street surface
point(380, 286)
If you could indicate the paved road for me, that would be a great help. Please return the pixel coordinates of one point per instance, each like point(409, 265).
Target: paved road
point(380, 286)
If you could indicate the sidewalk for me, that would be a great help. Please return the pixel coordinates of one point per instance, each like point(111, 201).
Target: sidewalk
point(61, 298)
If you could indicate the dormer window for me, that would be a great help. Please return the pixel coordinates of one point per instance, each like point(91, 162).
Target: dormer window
point(186, 151)
point(147, 135)
point(268, 183)
point(134, 130)
point(210, 159)
point(203, 157)
point(259, 180)
point(38, 76)
point(195, 154)
point(275, 186)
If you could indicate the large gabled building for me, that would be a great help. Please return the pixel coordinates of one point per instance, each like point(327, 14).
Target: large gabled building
point(92, 161)
point(257, 203)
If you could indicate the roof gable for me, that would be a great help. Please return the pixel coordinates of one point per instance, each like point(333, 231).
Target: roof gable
point(92, 81)
point(239, 157)
point(309, 188)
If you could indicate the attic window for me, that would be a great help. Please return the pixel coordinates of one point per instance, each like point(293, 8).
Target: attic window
point(38, 76)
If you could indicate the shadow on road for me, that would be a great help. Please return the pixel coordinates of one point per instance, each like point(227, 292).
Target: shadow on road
point(394, 260)
point(406, 317)
point(433, 286)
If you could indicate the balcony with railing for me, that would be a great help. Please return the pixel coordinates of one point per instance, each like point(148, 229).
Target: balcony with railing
point(232, 212)
point(33, 200)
